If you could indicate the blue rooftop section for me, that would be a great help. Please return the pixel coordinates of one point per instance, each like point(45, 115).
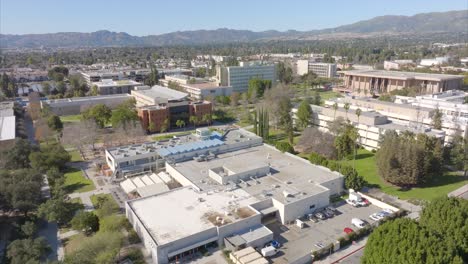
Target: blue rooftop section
point(216, 135)
point(189, 147)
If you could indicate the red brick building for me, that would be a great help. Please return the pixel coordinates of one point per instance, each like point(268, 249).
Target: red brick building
point(154, 117)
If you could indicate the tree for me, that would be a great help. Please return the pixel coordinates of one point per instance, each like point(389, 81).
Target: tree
point(448, 218)
point(18, 156)
point(358, 113)
point(413, 243)
point(20, 189)
point(352, 179)
point(85, 221)
point(56, 210)
point(337, 126)
point(100, 113)
point(284, 73)
point(406, 160)
point(49, 156)
point(27, 250)
point(46, 88)
point(94, 90)
point(257, 87)
point(207, 119)
point(58, 73)
point(164, 126)
point(304, 114)
point(180, 123)
point(124, 114)
point(317, 100)
point(458, 152)
point(55, 123)
point(335, 107)
point(284, 147)
point(193, 120)
point(153, 77)
point(437, 119)
point(61, 87)
point(29, 229)
point(234, 99)
point(346, 108)
point(314, 140)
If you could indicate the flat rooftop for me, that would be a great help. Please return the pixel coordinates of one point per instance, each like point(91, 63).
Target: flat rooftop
point(403, 75)
point(206, 85)
point(111, 83)
point(188, 212)
point(158, 91)
point(295, 175)
point(88, 98)
point(7, 127)
point(6, 109)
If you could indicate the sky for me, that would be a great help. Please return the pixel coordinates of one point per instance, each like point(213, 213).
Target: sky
point(151, 17)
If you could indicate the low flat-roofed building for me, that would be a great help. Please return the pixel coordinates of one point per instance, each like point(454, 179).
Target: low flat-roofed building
point(7, 125)
point(191, 220)
point(76, 105)
point(109, 86)
point(155, 95)
point(380, 82)
point(206, 90)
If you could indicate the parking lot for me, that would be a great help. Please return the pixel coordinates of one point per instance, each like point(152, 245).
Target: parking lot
point(297, 242)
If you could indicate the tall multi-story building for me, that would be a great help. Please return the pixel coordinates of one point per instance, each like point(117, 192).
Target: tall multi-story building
point(380, 82)
point(238, 77)
point(326, 70)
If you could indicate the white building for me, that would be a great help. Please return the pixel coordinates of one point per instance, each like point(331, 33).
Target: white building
point(109, 86)
point(76, 105)
point(326, 70)
point(155, 95)
point(7, 125)
point(434, 62)
point(238, 77)
point(396, 64)
point(227, 193)
point(371, 125)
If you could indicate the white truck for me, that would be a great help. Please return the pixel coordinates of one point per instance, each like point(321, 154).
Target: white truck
point(269, 251)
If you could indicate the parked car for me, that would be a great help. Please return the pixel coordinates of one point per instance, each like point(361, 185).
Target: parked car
point(320, 216)
point(274, 244)
point(328, 214)
point(348, 230)
point(352, 202)
point(358, 223)
point(375, 217)
point(313, 218)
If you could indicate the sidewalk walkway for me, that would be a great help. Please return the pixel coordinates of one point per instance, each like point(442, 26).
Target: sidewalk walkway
point(343, 254)
point(460, 192)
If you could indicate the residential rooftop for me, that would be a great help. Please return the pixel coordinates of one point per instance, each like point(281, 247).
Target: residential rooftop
point(403, 75)
point(187, 212)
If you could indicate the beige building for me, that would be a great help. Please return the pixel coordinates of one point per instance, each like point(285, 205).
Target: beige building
point(326, 70)
point(380, 82)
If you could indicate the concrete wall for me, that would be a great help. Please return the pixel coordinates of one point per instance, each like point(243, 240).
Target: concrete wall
point(140, 229)
point(75, 106)
point(179, 177)
point(238, 227)
point(301, 207)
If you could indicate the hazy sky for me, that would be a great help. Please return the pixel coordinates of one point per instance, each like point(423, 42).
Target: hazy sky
point(138, 17)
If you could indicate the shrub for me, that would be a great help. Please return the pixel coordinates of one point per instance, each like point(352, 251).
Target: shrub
point(284, 147)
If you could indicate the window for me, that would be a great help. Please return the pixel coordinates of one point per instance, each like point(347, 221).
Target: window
point(312, 206)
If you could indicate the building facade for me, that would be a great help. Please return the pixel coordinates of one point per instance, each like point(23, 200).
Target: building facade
point(109, 86)
point(381, 82)
point(238, 77)
point(325, 70)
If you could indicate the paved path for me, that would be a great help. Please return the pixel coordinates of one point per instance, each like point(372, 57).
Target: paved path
point(461, 192)
point(413, 210)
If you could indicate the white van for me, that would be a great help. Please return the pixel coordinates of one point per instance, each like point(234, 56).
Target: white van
point(358, 223)
point(269, 251)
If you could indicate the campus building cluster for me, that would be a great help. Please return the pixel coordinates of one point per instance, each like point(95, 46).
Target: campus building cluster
point(231, 186)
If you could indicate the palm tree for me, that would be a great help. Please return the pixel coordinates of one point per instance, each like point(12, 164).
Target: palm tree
point(164, 126)
point(179, 123)
point(346, 108)
point(358, 113)
point(335, 107)
point(194, 120)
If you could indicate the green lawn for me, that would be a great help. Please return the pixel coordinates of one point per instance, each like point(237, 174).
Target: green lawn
point(108, 196)
point(329, 94)
point(75, 155)
point(72, 243)
point(169, 136)
point(76, 182)
point(70, 118)
point(440, 186)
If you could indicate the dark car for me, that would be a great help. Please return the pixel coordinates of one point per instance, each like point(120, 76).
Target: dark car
point(328, 214)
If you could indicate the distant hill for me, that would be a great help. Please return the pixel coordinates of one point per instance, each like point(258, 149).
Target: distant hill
point(453, 21)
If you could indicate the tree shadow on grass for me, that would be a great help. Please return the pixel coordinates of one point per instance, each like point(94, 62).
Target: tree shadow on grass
point(75, 186)
point(363, 156)
point(444, 180)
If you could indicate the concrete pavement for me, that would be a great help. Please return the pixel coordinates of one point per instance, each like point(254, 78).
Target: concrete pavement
point(461, 192)
point(345, 255)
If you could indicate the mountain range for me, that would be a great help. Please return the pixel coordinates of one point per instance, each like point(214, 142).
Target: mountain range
point(426, 23)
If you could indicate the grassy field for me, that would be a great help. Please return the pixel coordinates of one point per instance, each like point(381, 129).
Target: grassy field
point(108, 196)
point(328, 95)
point(439, 186)
point(169, 136)
point(75, 156)
point(70, 118)
point(73, 243)
point(76, 182)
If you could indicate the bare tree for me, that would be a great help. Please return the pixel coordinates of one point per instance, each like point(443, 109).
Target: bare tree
point(314, 140)
point(272, 98)
point(42, 130)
